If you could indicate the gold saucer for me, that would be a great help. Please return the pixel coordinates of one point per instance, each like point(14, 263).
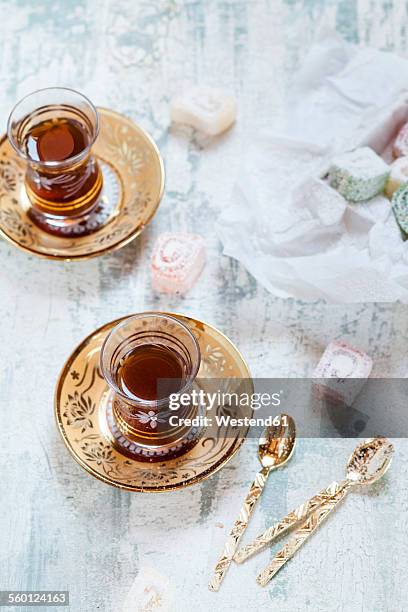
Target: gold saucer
point(82, 400)
point(133, 186)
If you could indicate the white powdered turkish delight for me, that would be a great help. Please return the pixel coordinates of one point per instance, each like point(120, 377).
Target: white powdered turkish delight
point(342, 372)
point(150, 591)
point(207, 109)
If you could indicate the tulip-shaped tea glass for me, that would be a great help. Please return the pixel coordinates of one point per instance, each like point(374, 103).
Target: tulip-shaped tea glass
point(148, 359)
point(53, 130)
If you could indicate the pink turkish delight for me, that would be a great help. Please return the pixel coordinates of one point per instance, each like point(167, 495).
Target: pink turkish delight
point(343, 371)
point(177, 262)
point(400, 148)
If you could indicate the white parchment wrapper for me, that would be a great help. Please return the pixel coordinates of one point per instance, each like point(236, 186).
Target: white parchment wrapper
point(290, 229)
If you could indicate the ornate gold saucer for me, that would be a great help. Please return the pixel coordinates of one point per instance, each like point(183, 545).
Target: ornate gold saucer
point(82, 401)
point(133, 186)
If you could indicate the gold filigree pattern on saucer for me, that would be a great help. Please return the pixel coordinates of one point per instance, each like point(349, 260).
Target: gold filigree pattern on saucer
point(82, 397)
point(133, 186)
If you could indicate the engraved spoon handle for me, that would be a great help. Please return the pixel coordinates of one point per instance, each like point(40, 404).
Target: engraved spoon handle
point(303, 533)
point(284, 525)
point(238, 529)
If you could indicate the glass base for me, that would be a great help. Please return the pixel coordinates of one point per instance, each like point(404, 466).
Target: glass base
point(97, 217)
point(150, 453)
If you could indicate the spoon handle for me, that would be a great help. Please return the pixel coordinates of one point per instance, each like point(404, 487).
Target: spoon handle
point(303, 533)
point(238, 529)
point(289, 521)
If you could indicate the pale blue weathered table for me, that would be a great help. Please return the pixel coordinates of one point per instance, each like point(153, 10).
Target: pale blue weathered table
point(59, 528)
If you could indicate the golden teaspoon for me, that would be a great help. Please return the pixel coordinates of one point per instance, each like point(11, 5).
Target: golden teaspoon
point(369, 462)
point(275, 448)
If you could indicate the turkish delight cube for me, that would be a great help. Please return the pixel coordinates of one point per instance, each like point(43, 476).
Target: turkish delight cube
point(358, 175)
point(400, 148)
point(341, 372)
point(177, 262)
point(207, 109)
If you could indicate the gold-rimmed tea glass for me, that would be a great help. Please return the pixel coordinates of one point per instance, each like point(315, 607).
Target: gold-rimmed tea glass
point(65, 184)
point(145, 424)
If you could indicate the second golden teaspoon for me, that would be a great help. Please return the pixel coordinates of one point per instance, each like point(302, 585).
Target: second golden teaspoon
point(275, 448)
point(367, 464)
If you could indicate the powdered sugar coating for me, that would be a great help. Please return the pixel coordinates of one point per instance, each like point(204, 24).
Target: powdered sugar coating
point(400, 148)
point(359, 175)
point(150, 591)
point(177, 261)
point(339, 362)
point(208, 109)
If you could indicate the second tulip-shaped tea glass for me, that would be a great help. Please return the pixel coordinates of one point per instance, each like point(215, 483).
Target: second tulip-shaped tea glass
point(52, 131)
point(146, 359)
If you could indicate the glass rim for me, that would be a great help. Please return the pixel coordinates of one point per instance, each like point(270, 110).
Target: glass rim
point(69, 160)
point(139, 401)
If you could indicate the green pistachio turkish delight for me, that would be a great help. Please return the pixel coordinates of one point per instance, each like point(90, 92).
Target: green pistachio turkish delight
point(399, 204)
point(358, 175)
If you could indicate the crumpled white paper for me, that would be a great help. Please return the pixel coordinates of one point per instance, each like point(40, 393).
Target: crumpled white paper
point(290, 229)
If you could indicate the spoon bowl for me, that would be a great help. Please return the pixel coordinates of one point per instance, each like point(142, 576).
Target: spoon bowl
point(369, 461)
point(277, 443)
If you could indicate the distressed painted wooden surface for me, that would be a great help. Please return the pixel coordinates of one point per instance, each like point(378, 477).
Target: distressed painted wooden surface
point(59, 528)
